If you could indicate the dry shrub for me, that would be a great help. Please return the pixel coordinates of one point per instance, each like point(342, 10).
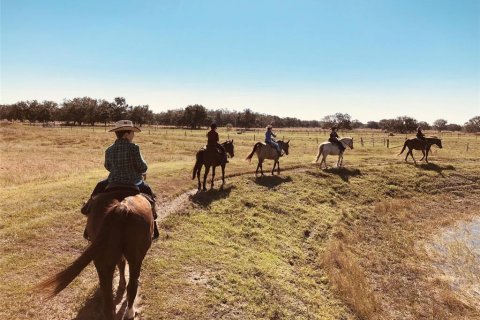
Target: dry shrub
point(349, 280)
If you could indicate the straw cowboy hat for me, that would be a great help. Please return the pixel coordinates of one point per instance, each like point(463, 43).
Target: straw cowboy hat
point(124, 125)
point(269, 126)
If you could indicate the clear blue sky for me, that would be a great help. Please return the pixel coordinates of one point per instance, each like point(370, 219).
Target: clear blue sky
point(372, 59)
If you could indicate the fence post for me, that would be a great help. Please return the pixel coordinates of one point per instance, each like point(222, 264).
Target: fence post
point(361, 141)
point(467, 147)
point(373, 141)
point(253, 137)
point(185, 133)
point(388, 143)
point(317, 140)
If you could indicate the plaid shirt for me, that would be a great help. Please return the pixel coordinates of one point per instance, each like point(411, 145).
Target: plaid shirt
point(125, 162)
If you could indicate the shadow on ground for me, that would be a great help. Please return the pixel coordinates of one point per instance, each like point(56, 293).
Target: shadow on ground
point(271, 181)
point(344, 173)
point(205, 198)
point(93, 307)
point(435, 167)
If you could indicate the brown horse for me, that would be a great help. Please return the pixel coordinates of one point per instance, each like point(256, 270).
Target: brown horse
point(265, 151)
point(210, 157)
point(120, 225)
point(417, 144)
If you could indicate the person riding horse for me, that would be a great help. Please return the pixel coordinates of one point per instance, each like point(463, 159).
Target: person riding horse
point(334, 138)
point(271, 141)
point(213, 139)
point(420, 135)
point(126, 166)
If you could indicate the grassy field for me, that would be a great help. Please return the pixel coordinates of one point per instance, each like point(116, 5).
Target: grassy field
point(308, 244)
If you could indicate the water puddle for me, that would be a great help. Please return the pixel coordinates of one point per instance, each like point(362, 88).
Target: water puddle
point(456, 255)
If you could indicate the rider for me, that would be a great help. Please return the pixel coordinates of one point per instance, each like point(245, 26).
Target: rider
point(126, 166)
point(271, 141)
point(420, 134)
point(213, 139)
point(334, 139)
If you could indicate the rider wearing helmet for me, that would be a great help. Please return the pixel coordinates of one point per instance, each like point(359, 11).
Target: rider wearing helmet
point(334, 139)
point(269, 139)
point(213, 139)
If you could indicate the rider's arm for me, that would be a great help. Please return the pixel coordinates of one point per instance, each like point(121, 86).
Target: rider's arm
point(140, 164)
point(107, 164)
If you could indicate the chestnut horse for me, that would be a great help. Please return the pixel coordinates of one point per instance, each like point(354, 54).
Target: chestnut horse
point(265, 151)
point(417, 144)
point(210, 157)
point(120, 225)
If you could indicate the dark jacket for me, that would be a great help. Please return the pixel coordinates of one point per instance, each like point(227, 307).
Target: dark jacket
point(213, 138)
point(125, 162)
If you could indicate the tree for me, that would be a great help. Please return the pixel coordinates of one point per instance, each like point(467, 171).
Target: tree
point(194, 116)
point(473, 125)
point(118, 109)
point(454, 127)
point(356, 124)
point(440, 124)
point(372, 125)
point(424, 125)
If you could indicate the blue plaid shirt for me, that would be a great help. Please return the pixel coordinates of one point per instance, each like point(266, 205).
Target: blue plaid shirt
point(125, 162)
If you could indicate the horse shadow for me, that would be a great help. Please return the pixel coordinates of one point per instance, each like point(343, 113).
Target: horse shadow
point(435, 167)
point(344, 173)
point(271, 181)
point(91, 309)
point(205, 198)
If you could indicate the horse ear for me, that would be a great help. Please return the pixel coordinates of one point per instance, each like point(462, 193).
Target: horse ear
point(232, 141)
point(288, 141)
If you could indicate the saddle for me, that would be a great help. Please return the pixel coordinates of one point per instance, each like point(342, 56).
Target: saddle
point(211, 148)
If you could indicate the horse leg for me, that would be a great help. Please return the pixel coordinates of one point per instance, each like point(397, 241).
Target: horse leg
point(213, 177)
point(132, 289)
point(258, 166)
point(105, 275)
point(278, 167)
point(223, 175)
point(261, 166)
point(324, 161)
point(198, 178)
point(406, 156)
point(207, 169)
point(411, 154)
point(274, 165)
point(121, 273)
point(318, 155)
point(423, 152)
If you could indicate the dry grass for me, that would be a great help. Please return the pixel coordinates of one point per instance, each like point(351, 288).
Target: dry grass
point(349, 281)
point(259, 249)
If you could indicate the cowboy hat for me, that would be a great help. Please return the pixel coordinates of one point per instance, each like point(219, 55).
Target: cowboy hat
point(269, 126)
point(124, 125)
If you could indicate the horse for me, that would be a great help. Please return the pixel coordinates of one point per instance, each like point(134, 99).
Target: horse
point(120, 226)
point(211, 157)
point(265, 151)
point(329, 148)
point(417, 144)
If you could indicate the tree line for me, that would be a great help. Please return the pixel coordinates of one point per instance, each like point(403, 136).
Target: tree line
point(86, 110)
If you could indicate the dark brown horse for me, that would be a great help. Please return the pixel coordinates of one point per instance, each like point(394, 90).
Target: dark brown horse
point(120, 226)
point(417, 144)
point(265, 151)
point(211, 157)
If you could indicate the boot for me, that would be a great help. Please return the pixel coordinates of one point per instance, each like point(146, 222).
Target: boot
point(86, 206)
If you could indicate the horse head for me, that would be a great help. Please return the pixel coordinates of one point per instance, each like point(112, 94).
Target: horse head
point(438, 142)
point(348, 142)
point(284, 146)
point(228, 145)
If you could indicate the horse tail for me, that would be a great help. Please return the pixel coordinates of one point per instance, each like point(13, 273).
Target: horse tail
point(255, 147)
point(198, 164)
point(56, 283)
point(404, 146)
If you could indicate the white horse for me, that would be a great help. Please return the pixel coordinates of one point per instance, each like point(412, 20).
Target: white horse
point(327, 148)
